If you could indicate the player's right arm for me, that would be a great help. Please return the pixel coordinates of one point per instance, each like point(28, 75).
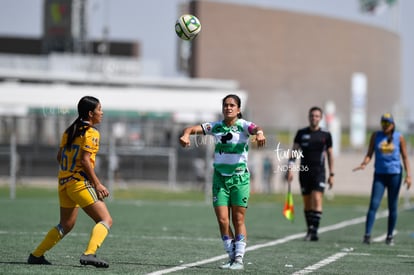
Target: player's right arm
point(368, 156)
point(59, 155)
point(192, 130)
point(62, 144)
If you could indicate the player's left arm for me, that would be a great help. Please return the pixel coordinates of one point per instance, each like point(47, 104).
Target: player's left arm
point(88, 168)
point(90, 147)
point(330, 157)
point(331, 167)
point(258, 132)
point(406, 163)
point(260, 137)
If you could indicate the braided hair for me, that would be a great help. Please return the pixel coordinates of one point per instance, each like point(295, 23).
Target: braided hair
point(80, 125)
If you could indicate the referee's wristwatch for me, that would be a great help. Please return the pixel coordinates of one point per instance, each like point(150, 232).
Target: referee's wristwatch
point(332, 174)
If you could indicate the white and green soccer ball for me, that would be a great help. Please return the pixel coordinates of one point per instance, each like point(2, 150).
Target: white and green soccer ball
point(187, 27)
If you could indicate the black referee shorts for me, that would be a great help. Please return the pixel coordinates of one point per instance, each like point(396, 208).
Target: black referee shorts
point(312, 180)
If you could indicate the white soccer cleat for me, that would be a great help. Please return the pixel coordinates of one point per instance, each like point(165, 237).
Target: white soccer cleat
point(237, 264)
point(227, 265)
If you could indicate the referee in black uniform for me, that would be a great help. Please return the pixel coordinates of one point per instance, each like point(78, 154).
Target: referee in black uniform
point(312, 145)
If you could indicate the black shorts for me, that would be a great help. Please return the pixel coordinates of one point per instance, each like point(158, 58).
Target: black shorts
point(312, 180)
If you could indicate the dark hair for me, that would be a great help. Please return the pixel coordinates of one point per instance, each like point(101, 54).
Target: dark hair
point(78, 127)
point(390, 137)
point(315, 108)
point(238, 101)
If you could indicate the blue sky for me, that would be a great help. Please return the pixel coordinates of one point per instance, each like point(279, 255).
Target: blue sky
point(152, 24)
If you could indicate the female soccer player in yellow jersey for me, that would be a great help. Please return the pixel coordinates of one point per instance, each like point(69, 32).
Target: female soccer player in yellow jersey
point(79, 186)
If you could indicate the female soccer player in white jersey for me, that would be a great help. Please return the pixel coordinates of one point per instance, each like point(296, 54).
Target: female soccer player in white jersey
point(231, 179)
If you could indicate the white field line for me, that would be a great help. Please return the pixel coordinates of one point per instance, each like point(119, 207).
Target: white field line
point(275, 242)
point(326, 261)
point(337, 256)
point(382, 238)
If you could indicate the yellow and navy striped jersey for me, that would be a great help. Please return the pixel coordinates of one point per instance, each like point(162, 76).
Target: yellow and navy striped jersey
point(70, 162)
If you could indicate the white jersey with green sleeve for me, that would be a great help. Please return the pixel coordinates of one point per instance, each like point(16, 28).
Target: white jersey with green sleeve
point(231, 145)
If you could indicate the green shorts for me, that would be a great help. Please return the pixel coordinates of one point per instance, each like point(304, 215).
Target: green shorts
point(231, 190)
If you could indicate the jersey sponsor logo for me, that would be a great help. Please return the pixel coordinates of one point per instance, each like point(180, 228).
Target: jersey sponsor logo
point(226, 138)
point(386, 148)
point(95, 140)
point(208, 127)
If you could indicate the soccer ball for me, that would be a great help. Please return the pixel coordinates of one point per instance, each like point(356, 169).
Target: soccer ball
point(187, 27)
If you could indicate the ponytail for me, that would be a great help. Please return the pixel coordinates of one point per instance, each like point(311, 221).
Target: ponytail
point(76, 129)
point(85, 105)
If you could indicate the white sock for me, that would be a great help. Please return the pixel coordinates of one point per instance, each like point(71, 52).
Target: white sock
point(229, 247)
point(240, 248)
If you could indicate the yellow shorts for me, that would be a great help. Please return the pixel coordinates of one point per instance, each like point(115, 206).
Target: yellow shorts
point(76, 192)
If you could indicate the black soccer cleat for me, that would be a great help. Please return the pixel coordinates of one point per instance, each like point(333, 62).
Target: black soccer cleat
point(314, 237)
point(37, 260)
point(389, 240)
point(312, 234)
point(367, 239)
point(91, 259)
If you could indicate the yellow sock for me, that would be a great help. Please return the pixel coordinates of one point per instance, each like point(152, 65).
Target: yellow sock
point(99, 233)
point(50, 240)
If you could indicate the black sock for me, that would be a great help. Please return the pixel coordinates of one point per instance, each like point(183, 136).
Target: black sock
point(308, 218)
point(315, 219)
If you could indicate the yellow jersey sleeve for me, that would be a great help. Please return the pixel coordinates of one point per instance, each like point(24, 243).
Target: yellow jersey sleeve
point(91, 141)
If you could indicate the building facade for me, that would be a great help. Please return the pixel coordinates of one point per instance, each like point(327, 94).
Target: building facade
point(288, 61)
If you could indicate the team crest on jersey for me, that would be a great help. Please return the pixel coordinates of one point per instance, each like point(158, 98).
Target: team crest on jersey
point(233, 128)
